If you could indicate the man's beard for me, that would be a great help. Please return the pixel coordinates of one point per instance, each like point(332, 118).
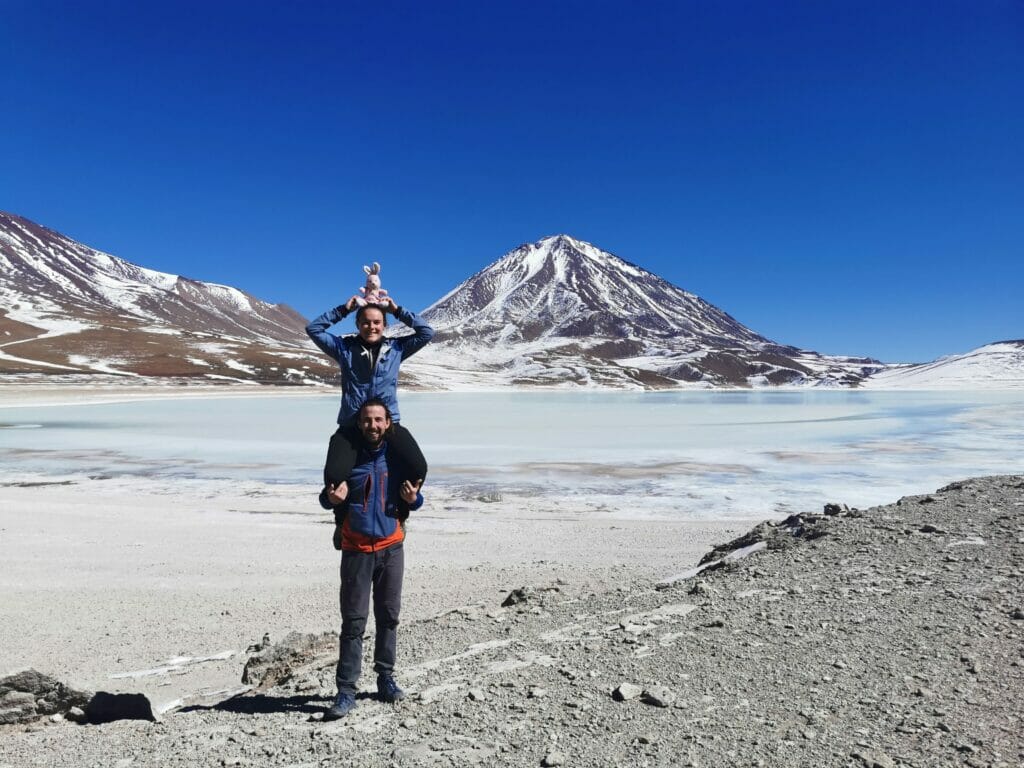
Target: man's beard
point(374, 445)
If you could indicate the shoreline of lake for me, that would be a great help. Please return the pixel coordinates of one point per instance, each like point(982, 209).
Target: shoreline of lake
point(14, 394)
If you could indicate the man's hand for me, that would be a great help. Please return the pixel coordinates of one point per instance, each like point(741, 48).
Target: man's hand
point(388, 305)
point(410, 489)
point(336, 494)
point(351, 304)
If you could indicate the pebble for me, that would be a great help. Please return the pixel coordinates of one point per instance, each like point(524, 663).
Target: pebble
point(627, 692)
point(658, 696)
point(874, 759)
point(552, 759)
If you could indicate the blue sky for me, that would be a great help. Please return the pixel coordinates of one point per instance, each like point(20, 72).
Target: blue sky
point(847, 177)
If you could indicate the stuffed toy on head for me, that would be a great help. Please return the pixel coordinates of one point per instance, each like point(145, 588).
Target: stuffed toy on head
point(372, 292)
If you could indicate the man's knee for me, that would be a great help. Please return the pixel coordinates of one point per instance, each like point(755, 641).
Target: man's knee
point(386, 619)
point(353, 626)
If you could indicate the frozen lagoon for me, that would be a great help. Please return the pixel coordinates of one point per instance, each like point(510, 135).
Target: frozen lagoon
point(692, 455)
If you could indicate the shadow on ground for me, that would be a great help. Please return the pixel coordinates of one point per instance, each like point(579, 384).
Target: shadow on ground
point(261, 704)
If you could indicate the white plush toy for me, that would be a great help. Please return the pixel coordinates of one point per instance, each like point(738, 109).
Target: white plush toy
point(372, 293)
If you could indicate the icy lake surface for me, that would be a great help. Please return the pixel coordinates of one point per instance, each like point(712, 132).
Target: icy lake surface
point(694, 454)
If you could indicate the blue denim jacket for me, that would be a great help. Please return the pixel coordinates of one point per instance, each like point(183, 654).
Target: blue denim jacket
point(360, 380)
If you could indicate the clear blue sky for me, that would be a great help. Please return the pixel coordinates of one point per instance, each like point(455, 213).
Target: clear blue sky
point(847, 177)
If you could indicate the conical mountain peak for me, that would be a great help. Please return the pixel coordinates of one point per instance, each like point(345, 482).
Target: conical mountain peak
point(563, 287)
point(563, 307)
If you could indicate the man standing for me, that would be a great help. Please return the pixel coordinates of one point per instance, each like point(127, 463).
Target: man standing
point(372, 559)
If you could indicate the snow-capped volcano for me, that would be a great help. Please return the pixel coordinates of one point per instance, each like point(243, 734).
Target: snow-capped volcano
point(66, 308)
point(563, 287)
point(562, 311)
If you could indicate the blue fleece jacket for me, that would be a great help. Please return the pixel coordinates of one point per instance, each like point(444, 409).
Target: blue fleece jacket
point(360, 379)
point(373, 496)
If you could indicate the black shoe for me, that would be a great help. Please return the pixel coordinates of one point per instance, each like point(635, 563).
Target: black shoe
point(388, 689)
point(344, 704)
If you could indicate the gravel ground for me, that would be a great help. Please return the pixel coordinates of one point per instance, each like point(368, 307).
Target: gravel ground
point(890, 636)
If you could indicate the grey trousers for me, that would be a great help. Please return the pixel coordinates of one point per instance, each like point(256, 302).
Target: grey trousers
point(362, 572)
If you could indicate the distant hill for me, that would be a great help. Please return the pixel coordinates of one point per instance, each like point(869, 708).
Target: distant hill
point(993, 366)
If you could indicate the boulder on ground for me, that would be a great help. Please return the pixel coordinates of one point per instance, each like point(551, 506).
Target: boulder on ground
point(28, 695)
point(281, 661)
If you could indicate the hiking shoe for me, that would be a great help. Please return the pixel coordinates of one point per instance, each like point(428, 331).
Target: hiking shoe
point(344, 704)
point(388, 689)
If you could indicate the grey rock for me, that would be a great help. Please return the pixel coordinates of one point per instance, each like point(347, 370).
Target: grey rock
point(627, 692)
point(518, 596)
point(261, 645)
point(30, 695)
point(309, 684)
point(553, 758)
point(658, 696)
point(874, 759)
point(700, 588)
point(283, 661)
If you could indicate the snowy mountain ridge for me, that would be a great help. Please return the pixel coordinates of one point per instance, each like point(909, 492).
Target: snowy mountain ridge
point(559, 312)
point(67, 308)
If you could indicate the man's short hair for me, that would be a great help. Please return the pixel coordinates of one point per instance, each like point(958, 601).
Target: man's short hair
point(362, 310)
point(377, 401)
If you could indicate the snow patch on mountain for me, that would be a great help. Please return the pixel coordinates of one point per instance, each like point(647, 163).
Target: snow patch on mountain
point(993, 366)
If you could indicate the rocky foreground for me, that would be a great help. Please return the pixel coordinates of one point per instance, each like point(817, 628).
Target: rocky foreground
point(891, 636)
